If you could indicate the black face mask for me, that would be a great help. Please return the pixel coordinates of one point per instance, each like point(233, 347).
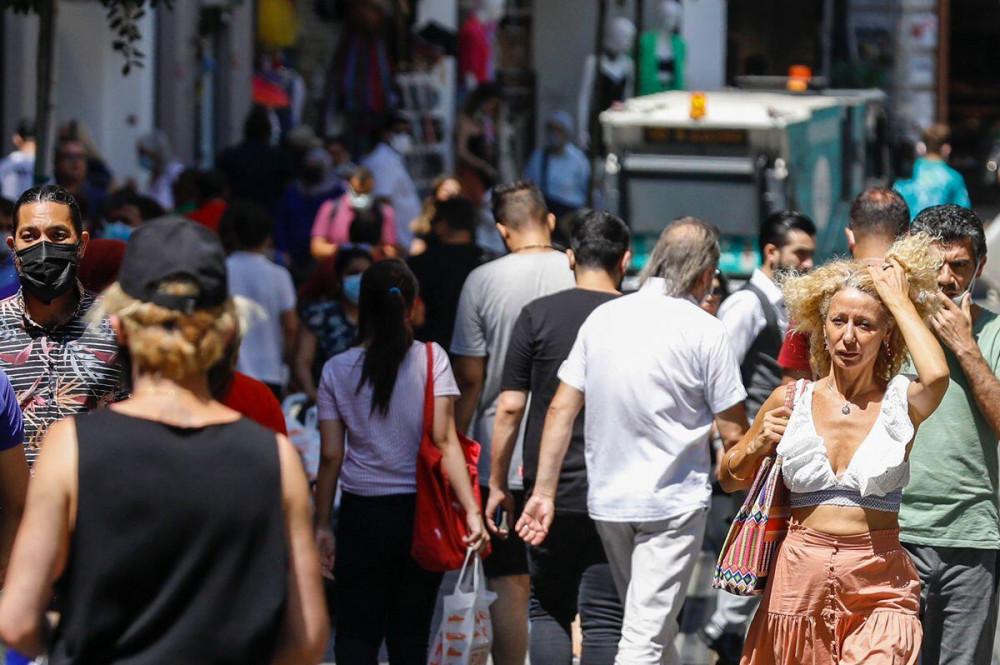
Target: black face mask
point(48, 269)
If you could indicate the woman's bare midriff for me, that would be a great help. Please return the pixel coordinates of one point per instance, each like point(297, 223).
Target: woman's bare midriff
point(844, 520)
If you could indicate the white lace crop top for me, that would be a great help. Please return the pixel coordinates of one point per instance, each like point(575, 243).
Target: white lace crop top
point(877, 473)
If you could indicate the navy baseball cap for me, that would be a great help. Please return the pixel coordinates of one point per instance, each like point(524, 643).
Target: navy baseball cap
point(175, 247)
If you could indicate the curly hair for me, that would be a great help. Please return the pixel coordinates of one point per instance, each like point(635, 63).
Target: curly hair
point(808, 298)
point(169, 343)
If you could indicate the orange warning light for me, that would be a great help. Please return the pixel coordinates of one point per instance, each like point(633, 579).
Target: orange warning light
point(799, 77)
point(699, 105)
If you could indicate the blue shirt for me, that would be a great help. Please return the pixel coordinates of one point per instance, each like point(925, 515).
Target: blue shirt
point(567, 177)
point(11, 420)
point(933, 183)
point(293, 222)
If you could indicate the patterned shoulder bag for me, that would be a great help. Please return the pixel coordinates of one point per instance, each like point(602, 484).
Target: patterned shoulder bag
point(758, 528)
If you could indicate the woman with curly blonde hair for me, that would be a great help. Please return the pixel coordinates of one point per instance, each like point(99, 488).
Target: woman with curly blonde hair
point(842, 589)
point(155, 518)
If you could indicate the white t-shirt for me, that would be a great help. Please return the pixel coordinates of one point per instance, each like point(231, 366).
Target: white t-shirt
point(270, 286)
point(393, 182)
point(17, 173)
point(492, 298)
point(655, 370)
point(381, 457)
point(744, 318)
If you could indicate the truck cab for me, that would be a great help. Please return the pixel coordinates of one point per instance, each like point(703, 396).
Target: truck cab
point(733, 157)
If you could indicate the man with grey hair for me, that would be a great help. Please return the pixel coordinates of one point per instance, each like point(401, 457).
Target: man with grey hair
point(655, 371)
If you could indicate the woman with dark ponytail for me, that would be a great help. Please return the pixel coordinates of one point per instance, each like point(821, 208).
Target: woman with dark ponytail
point(373, 395)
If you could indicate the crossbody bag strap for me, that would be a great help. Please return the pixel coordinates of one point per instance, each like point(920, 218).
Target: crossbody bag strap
point(429, 391)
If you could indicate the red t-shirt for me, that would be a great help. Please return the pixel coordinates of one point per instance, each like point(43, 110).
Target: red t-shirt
point(209, 214)
point(795, 352)
point(256, 401)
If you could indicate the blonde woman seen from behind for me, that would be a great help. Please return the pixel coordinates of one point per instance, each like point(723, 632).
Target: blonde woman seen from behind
point(842, 589)
point(172, 528)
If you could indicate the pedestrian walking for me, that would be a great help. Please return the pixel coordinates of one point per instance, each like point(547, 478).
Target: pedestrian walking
point(933, 182)
point(329, 322)
point(559, 168)
point(271, 333)
point(358, 217)
point(843, 589)
point(372, 395)
point(17, 170)
point(445, 265)
point(180, 555)
point(756, 321)
point(654, 370)
point(949, 513)
point(491, 301)
point(570, 574)
point(60, 361)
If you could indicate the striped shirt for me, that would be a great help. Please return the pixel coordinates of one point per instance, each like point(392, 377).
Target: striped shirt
point(381, 455)
point(60, 371)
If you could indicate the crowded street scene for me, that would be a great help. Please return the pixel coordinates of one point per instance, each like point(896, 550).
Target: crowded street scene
point(499, 332)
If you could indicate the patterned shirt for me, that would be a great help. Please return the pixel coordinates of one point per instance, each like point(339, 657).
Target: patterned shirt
point(334, 331)
point(60, 371)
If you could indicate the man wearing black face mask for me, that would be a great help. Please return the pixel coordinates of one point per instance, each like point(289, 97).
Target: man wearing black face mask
point(58, 363)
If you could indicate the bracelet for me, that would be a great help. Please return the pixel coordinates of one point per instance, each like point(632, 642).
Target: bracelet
point(729, 468)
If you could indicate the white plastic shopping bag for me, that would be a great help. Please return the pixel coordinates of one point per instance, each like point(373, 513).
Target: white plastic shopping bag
point(466, 633)
point(303, 431)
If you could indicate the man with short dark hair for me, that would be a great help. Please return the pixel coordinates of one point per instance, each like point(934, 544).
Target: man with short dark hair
point(571, 565)
point(268, 339)
point(491, 301)
point(655, 370)
point(933, 182)
point(949, 517)
point(755, 317)
point(17, 170)
point(443, 268)
point(58, 362)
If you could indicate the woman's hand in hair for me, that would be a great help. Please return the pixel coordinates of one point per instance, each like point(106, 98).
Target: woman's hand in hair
point(327, 545)
point(477, 536)
point(891, 283)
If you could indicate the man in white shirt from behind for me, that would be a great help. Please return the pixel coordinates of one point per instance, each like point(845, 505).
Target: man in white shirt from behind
point(655, 371)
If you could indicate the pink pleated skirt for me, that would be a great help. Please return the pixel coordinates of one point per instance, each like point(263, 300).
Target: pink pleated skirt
point(838, 600)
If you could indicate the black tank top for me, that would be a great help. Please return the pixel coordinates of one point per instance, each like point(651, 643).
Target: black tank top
point(179, 552)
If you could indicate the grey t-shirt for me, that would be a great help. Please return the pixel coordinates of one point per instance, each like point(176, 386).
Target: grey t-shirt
point(491, 300)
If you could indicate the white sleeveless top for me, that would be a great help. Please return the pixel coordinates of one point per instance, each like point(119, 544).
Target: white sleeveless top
point(877, 473)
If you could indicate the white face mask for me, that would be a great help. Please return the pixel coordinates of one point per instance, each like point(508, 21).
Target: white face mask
point(401, 142)
point(972, 283)
point(358, 201)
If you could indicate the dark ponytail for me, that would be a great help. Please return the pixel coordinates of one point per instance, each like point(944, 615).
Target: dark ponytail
point(388, 290)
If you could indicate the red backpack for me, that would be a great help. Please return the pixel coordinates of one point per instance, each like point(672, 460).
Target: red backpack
point(440, 520)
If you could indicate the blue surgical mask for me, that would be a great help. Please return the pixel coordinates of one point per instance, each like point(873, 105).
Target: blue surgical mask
point(117, 231)
point(352, 288)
